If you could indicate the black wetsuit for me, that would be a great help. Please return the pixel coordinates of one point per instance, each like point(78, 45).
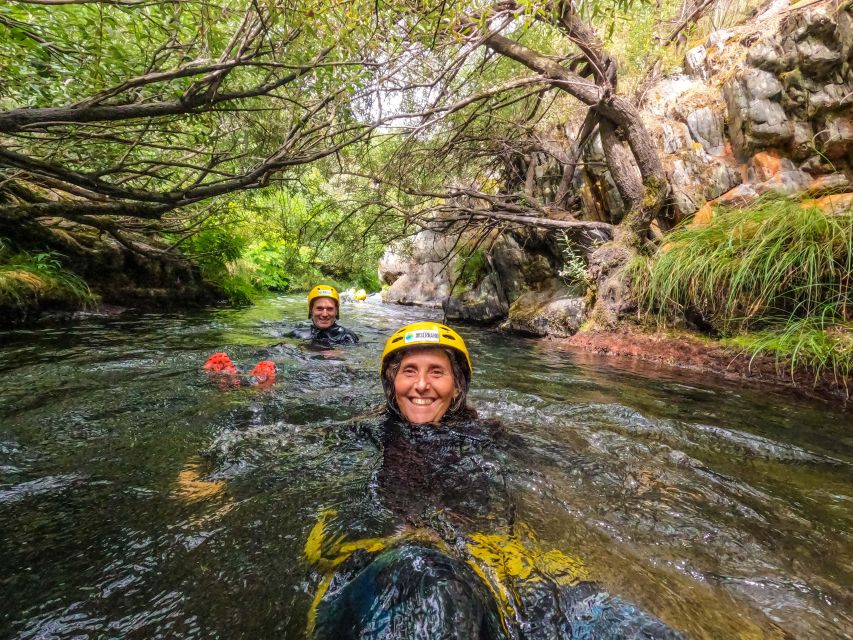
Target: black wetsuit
point(332, 337)
point(447, 479)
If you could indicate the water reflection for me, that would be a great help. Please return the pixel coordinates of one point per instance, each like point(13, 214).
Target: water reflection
point(136, 500)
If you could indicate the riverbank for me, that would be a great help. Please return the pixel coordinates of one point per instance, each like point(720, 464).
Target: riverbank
point(682, 350)
point(95, 276)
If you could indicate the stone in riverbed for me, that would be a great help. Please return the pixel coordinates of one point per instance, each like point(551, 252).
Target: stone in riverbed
point(484, 303)
point(553, 310)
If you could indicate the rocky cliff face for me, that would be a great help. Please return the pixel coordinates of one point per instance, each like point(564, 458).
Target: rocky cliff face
point(764, 107)
point(518, 282)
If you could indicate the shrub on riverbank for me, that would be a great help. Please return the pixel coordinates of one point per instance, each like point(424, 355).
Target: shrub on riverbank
point(33, 280)
point(773, 279)
point(285, 239)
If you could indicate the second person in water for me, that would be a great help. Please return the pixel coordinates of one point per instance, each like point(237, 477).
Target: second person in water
point(324, 312)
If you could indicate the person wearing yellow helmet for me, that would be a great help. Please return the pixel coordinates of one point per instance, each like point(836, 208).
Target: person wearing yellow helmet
point(426, 370)
point(324, 311)
point(452, 560)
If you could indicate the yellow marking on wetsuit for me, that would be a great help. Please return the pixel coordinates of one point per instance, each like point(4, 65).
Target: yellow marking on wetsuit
point(498, 591)
point(499, 560)
point(191, 487)
point(510, 557)
point(318, 597)
point(502, 560)
point(327, 553)
point(562, 569)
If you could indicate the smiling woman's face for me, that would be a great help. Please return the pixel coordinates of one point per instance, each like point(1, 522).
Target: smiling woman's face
point(424, 387)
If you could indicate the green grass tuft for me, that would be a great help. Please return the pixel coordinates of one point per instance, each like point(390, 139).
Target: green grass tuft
point(775, 278)
point(748, 268)
point(824, 349)
point(29, 279)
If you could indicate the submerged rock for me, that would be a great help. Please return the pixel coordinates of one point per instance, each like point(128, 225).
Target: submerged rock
point(552, 311)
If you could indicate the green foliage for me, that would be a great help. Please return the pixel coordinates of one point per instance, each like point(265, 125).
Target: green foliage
point(781, 270)
point(472, 268)
point(288, 239)
point(574, 271)
point(217, 248)
point(268, 258)
point(26, 278)
point(822, 346)
point(633, 38)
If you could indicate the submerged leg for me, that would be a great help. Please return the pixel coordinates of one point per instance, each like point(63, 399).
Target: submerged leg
point(409, 593)
point(595, 615)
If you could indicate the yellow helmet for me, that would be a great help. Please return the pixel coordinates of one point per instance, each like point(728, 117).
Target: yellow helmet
point(324, 291)
point(431, 334)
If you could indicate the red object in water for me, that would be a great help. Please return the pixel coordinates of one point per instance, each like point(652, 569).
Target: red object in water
point(220, 363)
point(264, 372)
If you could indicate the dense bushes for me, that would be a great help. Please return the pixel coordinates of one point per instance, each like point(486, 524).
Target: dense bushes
point(286, 240)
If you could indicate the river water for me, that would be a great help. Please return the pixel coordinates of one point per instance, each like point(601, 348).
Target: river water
point(138, 500)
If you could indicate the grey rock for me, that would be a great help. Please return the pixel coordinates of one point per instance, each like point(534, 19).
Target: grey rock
point(816, 59)
point(719, 38)
point(485, 303)
point(392, 265)
point(831, 97)
point(417, 270)
point(816, 165)
point(788, 180)
point(684, 190)
point(721, 179)
point(763, 171)
point(768, 55)
point(737, 102)
point(844, 31)
point(694, 62)
point(769, 125)
point(803, 140)
point(550, 311)
point(761, 85)
point(771, 9)
point(706, 127)
point(676, 136)
point(837, 137)
point(815, 21)
point(614, 297)
point(755, 121)
point(520, 267)
point(663, 98)
point(696, 177)
point(832, 183)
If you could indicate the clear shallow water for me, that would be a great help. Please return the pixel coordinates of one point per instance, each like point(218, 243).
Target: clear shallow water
point(138, 500)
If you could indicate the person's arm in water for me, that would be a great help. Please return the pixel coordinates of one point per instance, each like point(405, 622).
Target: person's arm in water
point(334, 336)
point(348, 336)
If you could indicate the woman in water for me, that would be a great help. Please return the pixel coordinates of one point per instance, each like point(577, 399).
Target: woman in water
point(459, 564)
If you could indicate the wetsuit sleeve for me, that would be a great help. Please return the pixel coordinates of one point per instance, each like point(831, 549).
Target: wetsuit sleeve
point(302, 333)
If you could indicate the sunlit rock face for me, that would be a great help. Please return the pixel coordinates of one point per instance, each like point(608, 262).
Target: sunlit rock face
point(484, 303)
point(552, 310)
point(764, 107)
point(416, 270)
point(430, 270)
